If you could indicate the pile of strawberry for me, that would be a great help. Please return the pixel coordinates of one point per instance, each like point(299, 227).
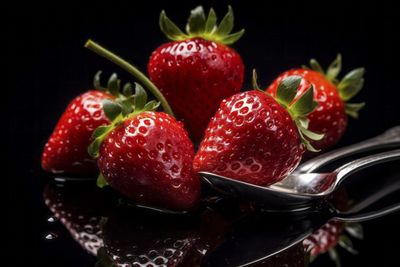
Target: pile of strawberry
point(256, 136)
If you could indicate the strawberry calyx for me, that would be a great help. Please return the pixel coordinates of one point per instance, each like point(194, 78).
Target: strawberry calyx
point(117, 111)
point(347, 87)
point(298, 109)
point(199, 25)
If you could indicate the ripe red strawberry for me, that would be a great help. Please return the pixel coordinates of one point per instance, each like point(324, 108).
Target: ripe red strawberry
point(197, 69)
point(256, 138)
point(66, 149)
point(146, 155)
point(330, 117)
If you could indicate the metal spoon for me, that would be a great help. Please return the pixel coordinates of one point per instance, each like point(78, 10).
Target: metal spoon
point(297, 191)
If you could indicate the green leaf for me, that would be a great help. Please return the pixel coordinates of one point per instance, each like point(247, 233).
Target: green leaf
point(211, 22)
point(111, 109)
point(126, 106)
point(232, 38)
point(96, 81)
point(140, 97)
point(316, 66)
point(352, 109)
point(101, 130)
point(334, 68)
point(113, 84)
point(303, 122)
point(335, 257)
point(287, 89)
point(226, 24)
point(307, 143)
point(345, 242)
point(311, 135)
point(351, 84)
point(94, 147)
point(101, 181)
point(197, 21)
point(305, 104)
point(170, 29)
point(151, 105)
point(127, 90)
point(355, 230)
point(254, 81)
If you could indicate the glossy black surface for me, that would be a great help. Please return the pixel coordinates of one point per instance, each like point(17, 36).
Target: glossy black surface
point(49, 66)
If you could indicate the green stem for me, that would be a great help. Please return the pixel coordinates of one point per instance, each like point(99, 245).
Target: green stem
point(140, 77)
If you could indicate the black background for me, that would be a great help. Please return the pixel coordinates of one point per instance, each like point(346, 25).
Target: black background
point(48, 66)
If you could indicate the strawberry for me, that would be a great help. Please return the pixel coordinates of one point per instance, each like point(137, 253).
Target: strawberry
point(80, 211)
point(324, 239)
point(146, 155)
point(197, 69)
point(330, 118)
point(66, 149)
point(256, 138)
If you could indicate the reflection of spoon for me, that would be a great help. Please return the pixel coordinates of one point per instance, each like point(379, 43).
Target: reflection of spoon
point(297, 191)
point(263, 235)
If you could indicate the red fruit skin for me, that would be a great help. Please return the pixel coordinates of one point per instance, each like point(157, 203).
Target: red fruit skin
point(324, 238)
point(251, 138)
point(329, 117)
point(66, 149)
point(149, 159)
point(195, 75)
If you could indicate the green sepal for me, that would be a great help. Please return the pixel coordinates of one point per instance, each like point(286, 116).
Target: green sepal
point(114, 84)
point(111, 108)
point(140, 97)
point(226, 24)
point(287, 89)
point(351, 84)
point(305, 104)
point(170, 29)
point(298, 108)
point(355, 230)
point(197, 21)
point(199, 25)
point(347, 87)
point(103, 259)
point(211, 22)
point(254, 81)
point(352, 109)
point(315, 66)
point(127, 90)
point(97, 83)
point(346, 243)
point(334, 255)
point(334, 68)
point(101, 181)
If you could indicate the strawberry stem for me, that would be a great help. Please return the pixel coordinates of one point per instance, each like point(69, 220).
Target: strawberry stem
point(100, 50)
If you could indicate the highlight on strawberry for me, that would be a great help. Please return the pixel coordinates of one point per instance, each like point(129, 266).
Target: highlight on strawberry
point(197, 69)
point(257, 138)
point(145, 155)
point(66, 149)
point(332, 96)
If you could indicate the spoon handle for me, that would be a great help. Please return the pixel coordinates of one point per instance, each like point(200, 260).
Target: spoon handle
point(359, 164)
point(390, 138)
point(361, 217)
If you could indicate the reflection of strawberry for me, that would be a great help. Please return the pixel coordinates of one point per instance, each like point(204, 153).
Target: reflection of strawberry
point(291, 257)
point(324, 238)
point(197, 69)
point(80, 211)
point(256, 138)
point(66, 149)
point(146, 155)
point(332, 96)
